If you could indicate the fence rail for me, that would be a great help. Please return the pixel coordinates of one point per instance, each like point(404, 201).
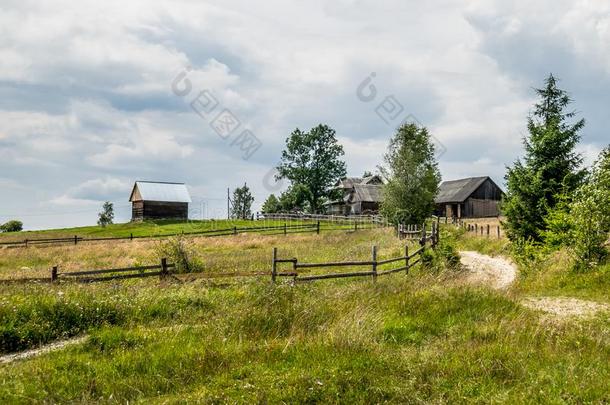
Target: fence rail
point(372, 219)
point(427, 237)
point(89, 276)
point(285, 229)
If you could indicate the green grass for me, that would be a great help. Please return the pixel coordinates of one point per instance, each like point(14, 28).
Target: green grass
point(403, 339)
point(155, 228)
point(417, 338)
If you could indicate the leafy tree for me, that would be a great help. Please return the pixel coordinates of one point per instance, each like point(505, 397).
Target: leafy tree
point(590, 213)
point(242, 203)
point(312, 160)
point(271, 205)
point(106, 216)
point(550, 170)
point(367, 173)
point(296, 197)
point(412, 176)
point(12, 226)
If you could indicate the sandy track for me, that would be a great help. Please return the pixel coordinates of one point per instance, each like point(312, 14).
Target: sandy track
point(496, 272)
point(9, 358)
point(499, 273)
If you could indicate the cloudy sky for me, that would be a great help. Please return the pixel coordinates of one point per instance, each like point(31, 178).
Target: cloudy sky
point(97, 94)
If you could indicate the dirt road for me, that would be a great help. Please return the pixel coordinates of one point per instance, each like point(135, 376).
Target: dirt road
point(499, 273)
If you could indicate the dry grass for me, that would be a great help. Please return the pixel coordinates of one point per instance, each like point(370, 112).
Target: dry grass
point(244, 253)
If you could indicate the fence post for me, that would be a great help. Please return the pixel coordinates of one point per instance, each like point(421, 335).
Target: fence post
point(54, 274)
point(285, 229)
point(234, 230)
point(407, 259)
point(355, 225)
point(26, 242)
point(318, 228)
point(374, 254)
point(131, 236)
point(488, 230)
point(75, 239)
point(164, 270)
point(423, 234)
point(498, 231)
point(274, 265)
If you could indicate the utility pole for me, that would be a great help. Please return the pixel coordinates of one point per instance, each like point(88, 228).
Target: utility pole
point(228, 203)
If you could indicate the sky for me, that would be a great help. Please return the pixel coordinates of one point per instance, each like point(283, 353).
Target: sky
point(95, 95)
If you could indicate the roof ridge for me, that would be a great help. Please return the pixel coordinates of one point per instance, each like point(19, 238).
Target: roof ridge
point(158, 182)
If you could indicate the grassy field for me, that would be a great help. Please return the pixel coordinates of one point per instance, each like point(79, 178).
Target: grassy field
point(158, 228)
point(422, 337)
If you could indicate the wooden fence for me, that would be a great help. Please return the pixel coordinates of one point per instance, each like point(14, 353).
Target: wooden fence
point(279, 229)
point(486, 230)
point(373, 264)
point(362, 219)
point(89, 276)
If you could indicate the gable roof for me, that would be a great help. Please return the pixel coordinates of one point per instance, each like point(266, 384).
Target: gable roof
point(456, 191)
point(366, 193)
point(159, 191)
point(374, 179)
point(350, 182)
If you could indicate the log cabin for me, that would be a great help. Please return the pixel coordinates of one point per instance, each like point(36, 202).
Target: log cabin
point(152, 200)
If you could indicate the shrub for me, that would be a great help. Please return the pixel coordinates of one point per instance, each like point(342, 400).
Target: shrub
point(444, 256)
point(591, 215)
point(527, 254)
point(180, 251)
point(12, 226)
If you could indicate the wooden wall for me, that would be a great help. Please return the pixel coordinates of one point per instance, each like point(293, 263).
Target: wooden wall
point(143, 210)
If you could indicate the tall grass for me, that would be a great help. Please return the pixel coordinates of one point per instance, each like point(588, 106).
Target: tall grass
point(402, 339)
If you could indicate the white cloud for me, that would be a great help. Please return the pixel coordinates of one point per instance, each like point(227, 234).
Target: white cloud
point(85, 87)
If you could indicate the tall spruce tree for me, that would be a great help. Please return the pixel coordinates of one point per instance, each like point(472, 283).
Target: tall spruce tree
point(551, 168)
point(242, 203)
point(412, 176)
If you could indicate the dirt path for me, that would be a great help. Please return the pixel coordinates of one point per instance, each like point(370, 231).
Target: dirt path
point(9, 358)
point(495, 272)
point(499, 273)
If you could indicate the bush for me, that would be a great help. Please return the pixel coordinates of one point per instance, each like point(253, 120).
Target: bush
point(444, 256)
point(12, 226)
point(528, 255)
point(591, 215)
point(180, 251)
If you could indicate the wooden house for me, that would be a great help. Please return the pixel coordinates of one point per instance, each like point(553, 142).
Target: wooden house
point(359, 195)
point(474, 197)
point(159, 200)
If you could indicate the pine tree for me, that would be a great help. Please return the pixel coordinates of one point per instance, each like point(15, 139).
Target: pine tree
point(550, 170)
point(412, 176)
point(242, 203)
point(271, 205)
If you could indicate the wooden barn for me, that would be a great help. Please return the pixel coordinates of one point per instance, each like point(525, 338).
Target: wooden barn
point(474, 197)
point(360, 195)
point(159, 200)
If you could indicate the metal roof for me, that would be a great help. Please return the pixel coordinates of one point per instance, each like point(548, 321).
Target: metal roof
point(457, 191)
point(160, 191)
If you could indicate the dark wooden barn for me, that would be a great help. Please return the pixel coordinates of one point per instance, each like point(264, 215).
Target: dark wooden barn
point(474, 197)
point(359, 195)
point(158, 200)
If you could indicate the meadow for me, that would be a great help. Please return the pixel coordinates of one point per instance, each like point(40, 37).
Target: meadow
point(417, 338)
